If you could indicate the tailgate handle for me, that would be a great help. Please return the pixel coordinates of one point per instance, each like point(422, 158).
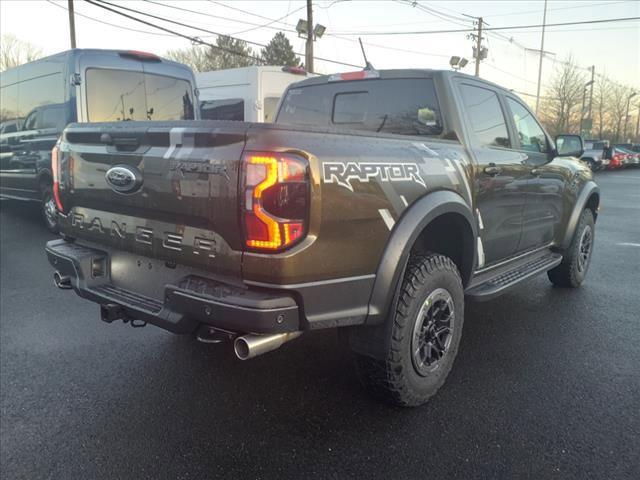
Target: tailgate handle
point(123, 143)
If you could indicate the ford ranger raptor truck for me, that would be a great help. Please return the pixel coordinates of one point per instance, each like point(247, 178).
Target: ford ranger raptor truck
point(378, 202)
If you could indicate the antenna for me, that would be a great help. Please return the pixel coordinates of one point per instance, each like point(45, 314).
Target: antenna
point(368, 65)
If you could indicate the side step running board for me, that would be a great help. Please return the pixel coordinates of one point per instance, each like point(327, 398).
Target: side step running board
point(492, 286)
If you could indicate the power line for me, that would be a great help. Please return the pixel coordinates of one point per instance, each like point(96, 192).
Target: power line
point(245, 22)
point(103, 4)
point(374, 45)
point(554, 9)
point(339, 37)
point(489, 64)
point(110, 24)
point(433, 12)
point(256, 14)
point(513, 27)
point(192, 39)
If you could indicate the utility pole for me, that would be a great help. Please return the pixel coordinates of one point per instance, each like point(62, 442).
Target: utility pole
point(72, 23)
point(626, 117)
point(638, 124)
point(544, 24)
point(310, 35)
point(593, 79)
point(479, 47)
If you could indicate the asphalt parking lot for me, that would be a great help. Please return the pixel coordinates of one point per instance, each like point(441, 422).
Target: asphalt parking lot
point(546, 384)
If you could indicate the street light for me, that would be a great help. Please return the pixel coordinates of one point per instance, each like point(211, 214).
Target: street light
point(306, 29)
point(457, 63)
point(302, 28)
point(626, 118)
point(584, 95)
point(318, 31)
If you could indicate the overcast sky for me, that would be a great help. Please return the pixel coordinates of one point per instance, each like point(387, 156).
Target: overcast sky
point(613, 48)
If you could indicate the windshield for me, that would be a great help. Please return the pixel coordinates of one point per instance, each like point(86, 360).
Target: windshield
point(119, 95)
point(406, 106)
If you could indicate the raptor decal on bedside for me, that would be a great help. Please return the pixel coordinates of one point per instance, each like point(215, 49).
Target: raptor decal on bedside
point(344, 173)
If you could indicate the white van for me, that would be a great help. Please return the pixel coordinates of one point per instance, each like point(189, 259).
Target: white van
point(248, 94)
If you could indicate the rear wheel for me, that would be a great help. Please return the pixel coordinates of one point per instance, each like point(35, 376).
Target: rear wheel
point(48, 208)
point(424, 335)
point(577, 258)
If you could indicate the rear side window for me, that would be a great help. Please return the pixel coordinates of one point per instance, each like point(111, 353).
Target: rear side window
point(401, 106)
point(39, 91)
point(227, 109)
point(121, 95)
point(9, 102)
point(485, 115)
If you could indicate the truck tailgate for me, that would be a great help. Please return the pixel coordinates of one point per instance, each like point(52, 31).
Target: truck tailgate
point(163, 190)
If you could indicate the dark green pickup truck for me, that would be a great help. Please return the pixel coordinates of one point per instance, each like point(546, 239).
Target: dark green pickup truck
point(376, 203)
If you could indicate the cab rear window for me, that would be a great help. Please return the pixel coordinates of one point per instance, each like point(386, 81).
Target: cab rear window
point(401, 106)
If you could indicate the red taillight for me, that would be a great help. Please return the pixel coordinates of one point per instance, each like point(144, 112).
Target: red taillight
point(142, 56)
point(275, 200)
point(361, 75)
point(55, 170)
point(294, 70)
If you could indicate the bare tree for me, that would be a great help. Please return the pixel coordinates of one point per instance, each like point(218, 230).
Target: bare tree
point(14, 52)
point(196, 57)
point(227, 53)
point(619, 97)
point(601, 104)
point(563, 99)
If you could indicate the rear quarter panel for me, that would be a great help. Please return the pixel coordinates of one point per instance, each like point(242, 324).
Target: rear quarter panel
point(351, 218)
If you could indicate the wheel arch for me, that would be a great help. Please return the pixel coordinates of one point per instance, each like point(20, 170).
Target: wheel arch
point(420, 230)
point(589, 197)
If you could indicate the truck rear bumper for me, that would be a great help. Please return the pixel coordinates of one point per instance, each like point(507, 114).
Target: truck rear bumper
point(188, 302)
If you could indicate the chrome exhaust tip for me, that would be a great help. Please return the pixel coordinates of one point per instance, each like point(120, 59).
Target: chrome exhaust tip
point(251, 345)
point(62, 281)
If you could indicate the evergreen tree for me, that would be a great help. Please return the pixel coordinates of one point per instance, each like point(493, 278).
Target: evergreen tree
point(279, 52)
point(233, 53)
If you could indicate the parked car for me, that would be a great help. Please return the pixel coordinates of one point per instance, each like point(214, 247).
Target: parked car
point(248, 94)
point(80, 85)
point(376, 202)
point(632, 158)
point(594, 154)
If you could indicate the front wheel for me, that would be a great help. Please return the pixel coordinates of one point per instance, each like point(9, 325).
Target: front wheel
point(577, 258)
point(424, 334)
point(48, 209)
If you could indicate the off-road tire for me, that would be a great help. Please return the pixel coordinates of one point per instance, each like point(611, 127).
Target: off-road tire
point(571, 272)
point(395, 379)
point(46, 194)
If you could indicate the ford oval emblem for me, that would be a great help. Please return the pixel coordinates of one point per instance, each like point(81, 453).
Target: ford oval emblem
point(124, 178)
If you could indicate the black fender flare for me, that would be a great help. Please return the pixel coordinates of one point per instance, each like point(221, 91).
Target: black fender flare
point(588, 190)
point(371, 338)
point(403, 237)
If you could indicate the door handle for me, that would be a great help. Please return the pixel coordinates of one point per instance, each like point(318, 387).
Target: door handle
point(492, 169)
point(536, 172)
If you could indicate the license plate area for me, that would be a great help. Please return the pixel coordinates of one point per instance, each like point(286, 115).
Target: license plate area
point(144, 275)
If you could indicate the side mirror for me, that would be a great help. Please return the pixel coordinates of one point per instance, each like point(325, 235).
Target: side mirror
point(569, 146)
